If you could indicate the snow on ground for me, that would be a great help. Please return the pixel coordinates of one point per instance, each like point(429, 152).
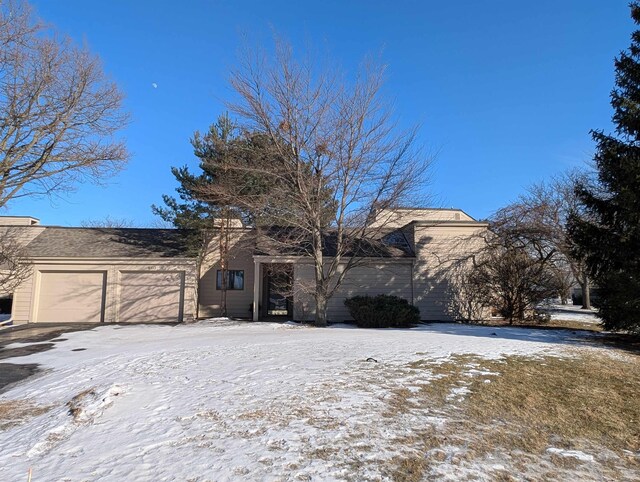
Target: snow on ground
point(572, 313)
point(220, 400)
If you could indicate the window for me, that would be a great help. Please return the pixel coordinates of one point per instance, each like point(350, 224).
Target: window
point(235, 280)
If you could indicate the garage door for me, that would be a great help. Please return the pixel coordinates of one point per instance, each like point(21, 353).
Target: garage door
point(151, 296)
point(68, 296)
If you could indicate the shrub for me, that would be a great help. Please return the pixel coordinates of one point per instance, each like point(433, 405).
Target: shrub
point(382, 311)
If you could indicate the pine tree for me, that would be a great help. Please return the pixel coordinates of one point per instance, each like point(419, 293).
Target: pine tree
point(607, 233)
point(203, 215)
point(238, 178)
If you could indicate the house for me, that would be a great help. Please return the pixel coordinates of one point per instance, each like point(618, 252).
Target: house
point(150, 275)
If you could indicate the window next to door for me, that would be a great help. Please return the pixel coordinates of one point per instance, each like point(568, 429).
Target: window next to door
point(235, 280)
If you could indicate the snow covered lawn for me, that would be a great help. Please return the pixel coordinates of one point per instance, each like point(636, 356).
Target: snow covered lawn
point(560, 312)
point(262, 401)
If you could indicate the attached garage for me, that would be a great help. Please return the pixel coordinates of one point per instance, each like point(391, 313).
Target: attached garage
point(70, 296)
point(116, 275)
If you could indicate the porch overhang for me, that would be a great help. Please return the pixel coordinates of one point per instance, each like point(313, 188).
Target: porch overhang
point(258, 261)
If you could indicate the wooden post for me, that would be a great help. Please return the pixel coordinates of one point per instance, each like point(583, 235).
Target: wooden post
point(256, 290)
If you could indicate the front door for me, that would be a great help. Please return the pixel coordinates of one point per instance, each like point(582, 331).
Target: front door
point(278, 291)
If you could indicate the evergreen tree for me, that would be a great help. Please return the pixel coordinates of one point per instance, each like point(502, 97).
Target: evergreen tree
point(608, 236)
point(239, 179)
point(193, 211)
point(203, 215)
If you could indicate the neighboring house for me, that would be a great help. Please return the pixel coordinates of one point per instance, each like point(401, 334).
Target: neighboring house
point(147, 275)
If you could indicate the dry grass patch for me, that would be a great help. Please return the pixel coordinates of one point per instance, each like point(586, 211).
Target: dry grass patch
point(75, 405)
point(571, 403)
point(406, 469)
point(521, 406)
point(324, 452)
point(574, 325)
point(15, 412)
point(530, 403)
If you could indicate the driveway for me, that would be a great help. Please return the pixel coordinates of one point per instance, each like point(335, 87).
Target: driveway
point(30, 338)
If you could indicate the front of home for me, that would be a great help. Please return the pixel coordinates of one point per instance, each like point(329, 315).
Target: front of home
point(149, 275)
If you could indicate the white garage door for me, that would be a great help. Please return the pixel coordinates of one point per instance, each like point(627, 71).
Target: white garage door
point(151, 296)
point(67, 296)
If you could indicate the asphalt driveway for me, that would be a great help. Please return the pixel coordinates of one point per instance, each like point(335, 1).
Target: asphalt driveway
point(33, 338)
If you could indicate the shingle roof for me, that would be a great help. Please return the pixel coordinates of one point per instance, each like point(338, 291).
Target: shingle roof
point(291, 242)
point(61, 242)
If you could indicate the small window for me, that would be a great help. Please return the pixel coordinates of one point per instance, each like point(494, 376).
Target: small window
point(235, 280)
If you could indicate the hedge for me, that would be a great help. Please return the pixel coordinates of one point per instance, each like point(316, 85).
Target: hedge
point(382, 311)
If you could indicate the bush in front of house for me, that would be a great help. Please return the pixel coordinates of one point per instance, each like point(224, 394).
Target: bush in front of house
point(382, 311)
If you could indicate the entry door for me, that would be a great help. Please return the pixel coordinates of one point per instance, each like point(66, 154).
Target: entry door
point(278, 290)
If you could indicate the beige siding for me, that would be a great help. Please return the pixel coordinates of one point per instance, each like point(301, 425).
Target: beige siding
point(18, 221)
point(436, 248)
point(19, 235)
point(396, 218)
point(391, 277)
point(21, 309)
point(303, 283)
point(13, 239)
point(239, 302)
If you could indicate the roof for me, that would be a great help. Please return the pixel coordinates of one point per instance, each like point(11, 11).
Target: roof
point(62, 242)
point(286, 241)
point(462, 222)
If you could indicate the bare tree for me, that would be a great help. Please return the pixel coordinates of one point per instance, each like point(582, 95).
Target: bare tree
point(538, 219)
point(338, 159)
point(13, 256)
point(107, 222)
point(525, 257)
point(508, 278)
point(58, 111)
point(496, 271)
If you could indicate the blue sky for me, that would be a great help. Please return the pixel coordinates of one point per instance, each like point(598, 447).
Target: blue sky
point(505, 91)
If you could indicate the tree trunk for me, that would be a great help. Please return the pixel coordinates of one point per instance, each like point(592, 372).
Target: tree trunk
point(321, 309)
point(223, 247)
point(321, 286)
point(223, 272)
point(586, 293)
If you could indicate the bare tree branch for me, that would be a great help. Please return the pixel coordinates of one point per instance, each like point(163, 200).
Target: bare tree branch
point(14, 266)
point(59, 113)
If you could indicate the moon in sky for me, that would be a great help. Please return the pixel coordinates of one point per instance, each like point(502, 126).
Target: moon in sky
point(154, 85)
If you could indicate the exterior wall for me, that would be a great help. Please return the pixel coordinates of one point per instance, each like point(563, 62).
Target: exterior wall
point(239, 302)
point(391, 277)
point(20, 235)
point(21, 309)
point(14, 238)
point(437, 248)
point(396, 218)
point(25, 298)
